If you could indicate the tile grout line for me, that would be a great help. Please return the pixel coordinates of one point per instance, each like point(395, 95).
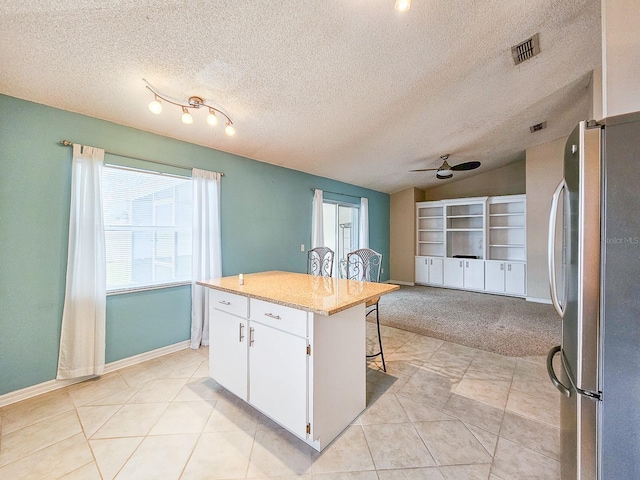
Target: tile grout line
point(86, 439)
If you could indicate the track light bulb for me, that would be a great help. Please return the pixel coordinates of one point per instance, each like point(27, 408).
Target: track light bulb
point(403, 5)
point(211, 118)
point(229, 130)
point(155, 106)
point(187, 119)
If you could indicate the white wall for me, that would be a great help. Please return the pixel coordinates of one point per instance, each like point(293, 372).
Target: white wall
point(544, 172)
point(620, 56)
point(402, 246)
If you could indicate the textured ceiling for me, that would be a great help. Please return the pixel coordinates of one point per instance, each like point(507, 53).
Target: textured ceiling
point(347, 89)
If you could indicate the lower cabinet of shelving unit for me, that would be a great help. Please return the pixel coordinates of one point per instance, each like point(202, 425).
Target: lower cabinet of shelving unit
point(464, 273)
point(429, 270)
point(453, 272)
point(505, 277)
point(491, 276)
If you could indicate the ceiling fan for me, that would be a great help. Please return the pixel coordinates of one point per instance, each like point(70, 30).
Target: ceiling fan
point(446, 171)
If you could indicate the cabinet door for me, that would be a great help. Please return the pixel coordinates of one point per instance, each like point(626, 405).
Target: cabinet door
point(515, 278)
point(474, 274)
point(278, 370)
point(435, 270)
point(453, 272)
point(494, 276)
point(228, 351)
point(422, 270)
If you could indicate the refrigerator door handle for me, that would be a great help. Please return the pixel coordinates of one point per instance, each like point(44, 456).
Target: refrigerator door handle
point(552, 374)
point(551, 245)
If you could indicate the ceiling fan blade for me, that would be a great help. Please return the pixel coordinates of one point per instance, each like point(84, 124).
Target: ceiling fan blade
point(424, 170)
point(466, 166)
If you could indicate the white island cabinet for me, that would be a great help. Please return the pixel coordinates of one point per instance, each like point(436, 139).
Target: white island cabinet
point(228, 360)
point(293, 347)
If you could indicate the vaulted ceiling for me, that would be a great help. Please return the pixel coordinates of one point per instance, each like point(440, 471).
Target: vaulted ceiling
point(347, 89)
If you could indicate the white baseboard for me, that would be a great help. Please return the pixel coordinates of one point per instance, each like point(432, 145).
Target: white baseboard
point(538, 300)
point(143, 357)
point(400, 282)
point(51, 385)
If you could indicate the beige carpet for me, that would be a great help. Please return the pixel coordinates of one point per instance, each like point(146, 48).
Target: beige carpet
point(504, 325)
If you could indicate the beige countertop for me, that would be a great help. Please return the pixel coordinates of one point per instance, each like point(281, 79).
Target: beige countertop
point(321, 295)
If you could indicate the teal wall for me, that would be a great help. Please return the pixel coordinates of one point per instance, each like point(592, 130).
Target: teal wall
point(266, 215)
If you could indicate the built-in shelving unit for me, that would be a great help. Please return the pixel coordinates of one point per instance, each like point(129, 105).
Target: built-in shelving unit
point(430, 230)
point(465, 228)
point(473, 243)
point(507, 228)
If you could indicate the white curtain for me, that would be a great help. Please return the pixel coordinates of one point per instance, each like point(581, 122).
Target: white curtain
point(206, 254)
point(317, 232)
point(364, 223)
point(82, 340)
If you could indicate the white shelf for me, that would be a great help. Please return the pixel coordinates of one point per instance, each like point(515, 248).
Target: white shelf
point(430, 230)
point(479, 215)
point(507, 229)
point(464, 229)
point(425, 241)
point(430, 216)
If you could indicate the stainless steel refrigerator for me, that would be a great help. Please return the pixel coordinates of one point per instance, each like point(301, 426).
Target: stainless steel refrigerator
point(595, 287)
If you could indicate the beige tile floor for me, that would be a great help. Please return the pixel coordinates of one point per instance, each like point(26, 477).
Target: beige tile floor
point(441, 412)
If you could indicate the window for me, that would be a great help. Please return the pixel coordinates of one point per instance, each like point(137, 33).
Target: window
point(147, 222)
point(340, 228)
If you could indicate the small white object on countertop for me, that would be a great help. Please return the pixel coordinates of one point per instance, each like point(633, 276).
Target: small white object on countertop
point(241, 279)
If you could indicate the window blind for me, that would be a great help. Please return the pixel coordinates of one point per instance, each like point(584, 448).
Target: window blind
point(147, 219)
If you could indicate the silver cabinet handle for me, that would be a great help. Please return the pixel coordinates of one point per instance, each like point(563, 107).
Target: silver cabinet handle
point(460, 263)
point(224, 302)
point(502, 266)
point(431, 261)
point(426, 261)
point(251, 330)
point(509, 267)
point(551, 244)
point(467, 264)
point(271, 315)
point(241, 332)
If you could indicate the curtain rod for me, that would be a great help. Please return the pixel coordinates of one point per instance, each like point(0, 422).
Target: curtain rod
point(337, 193)
point(67, 143)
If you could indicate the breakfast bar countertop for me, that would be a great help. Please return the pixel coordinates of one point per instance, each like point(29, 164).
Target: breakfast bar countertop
point(321, 295)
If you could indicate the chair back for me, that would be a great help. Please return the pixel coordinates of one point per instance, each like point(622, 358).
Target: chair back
point(320, 262)
point(364, 265)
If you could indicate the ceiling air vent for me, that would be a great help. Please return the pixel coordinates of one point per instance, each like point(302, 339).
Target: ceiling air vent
point(538, 127)
point(525, 50)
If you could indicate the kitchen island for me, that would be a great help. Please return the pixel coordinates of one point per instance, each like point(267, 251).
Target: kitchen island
point(293, 346)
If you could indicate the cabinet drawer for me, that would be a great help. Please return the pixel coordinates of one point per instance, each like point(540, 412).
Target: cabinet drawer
point(283, 318)
point(230, 303)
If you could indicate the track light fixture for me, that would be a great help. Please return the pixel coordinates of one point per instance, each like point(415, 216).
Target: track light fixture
point(194, 102)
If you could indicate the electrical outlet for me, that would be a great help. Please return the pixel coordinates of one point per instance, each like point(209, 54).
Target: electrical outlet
point(302, 247)
point(381, 271)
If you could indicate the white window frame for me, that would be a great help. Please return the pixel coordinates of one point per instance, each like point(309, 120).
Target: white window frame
point(132, 228)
